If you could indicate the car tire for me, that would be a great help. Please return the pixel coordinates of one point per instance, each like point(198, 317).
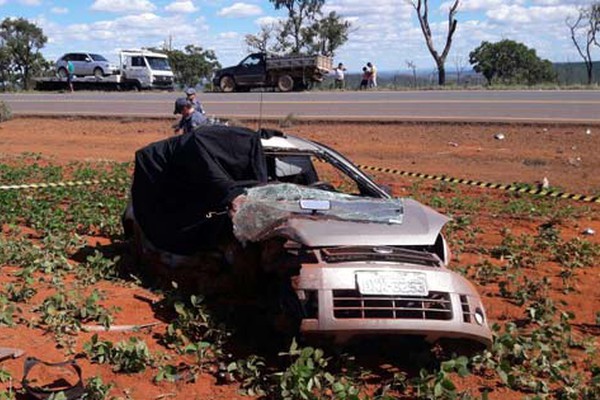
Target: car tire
point(98, 73)
point(285, 83)
point(63, 73)
point(227, 84)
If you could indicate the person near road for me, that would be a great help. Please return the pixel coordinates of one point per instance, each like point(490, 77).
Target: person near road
point(190, 118)
point(364, 82)
point(191, 96)
point(372, 75)
point(339, 76)
point(70, 74)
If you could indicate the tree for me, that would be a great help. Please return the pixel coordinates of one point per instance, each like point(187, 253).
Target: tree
point(422, 9)
point(22, 41)
point(510, 62)
point(584, 31)
point(413, 67)
point(261, 42)
point(192, 64)
point(326, 35)
point(300, 14)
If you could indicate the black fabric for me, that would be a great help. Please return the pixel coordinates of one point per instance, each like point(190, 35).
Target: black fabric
point(179, 180)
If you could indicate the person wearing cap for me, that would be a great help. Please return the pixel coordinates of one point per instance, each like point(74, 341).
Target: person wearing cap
point(191, 96)
point(179, 103)
point(190, 118)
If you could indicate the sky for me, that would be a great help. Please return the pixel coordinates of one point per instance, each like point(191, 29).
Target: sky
point(385, 32)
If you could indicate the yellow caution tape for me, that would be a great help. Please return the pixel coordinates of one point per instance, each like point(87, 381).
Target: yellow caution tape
point(66, 184)
point(510, 187)
point(441, 178)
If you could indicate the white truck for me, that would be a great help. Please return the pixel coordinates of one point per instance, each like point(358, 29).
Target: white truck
point(137, 69)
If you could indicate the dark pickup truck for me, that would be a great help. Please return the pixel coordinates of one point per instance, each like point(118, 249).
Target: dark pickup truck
point(283, 72)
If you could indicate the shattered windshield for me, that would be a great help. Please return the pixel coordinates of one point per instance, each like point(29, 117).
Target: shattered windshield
point(266, 208)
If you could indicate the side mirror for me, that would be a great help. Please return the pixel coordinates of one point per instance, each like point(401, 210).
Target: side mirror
point(88, 60)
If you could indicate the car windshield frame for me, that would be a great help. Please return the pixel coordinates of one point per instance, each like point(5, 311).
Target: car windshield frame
point(367, 186)
point(158, 63)
point(98, 57)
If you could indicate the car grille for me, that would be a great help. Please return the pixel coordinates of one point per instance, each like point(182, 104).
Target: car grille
point(162, 80)
point(350, 304)
point(466, 309)
point(390, 254)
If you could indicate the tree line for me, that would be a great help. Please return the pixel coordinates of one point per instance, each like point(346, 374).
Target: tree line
point(307, 29)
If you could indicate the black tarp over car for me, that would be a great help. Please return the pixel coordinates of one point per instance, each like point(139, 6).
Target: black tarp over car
point(178, 181)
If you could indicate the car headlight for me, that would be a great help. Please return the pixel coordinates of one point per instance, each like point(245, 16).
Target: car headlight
point(479, 316)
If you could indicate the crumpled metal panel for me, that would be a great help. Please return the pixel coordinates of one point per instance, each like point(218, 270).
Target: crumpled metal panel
point(267, 209)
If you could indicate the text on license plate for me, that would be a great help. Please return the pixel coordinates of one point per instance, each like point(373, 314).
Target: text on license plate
point(392, 283)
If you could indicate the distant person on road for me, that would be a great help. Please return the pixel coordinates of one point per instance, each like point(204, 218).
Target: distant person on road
point(339, 76)
point(190, 118)
point(364, 82)
point(372, 75)
point(191, 96)
point(70, 74)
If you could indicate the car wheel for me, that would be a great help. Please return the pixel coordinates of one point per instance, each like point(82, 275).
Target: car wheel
point(285, 83)
point(98, 73)
point(63, 73)
point(227, 84)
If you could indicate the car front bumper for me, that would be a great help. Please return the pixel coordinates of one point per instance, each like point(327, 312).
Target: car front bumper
point(451, 310)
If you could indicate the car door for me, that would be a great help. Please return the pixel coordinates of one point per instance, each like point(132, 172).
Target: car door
point(79, 64)
point(137, 69)
point(251, 71)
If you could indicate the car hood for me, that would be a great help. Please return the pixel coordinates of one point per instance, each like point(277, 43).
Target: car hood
point(420, 227)
point(276, 211)
point(224, 71)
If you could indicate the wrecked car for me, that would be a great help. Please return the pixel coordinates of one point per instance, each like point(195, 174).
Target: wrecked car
point(349, 259)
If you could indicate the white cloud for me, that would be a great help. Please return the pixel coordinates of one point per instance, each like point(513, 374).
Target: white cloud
point(59, 10)
point(181, 7)
point(229, 35)
point(266, 21)
point(240, 10)
point(2, 2)
point(123, 5)
point(30, 2)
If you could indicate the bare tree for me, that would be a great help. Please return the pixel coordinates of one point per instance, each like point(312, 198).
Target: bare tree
point(413, 67)
point(583, 34)
point(422, 9)
point(261, 42)
point(460, 64)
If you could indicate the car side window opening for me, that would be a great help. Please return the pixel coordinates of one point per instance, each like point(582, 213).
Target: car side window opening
point(251, 61)
point(137, 61)
point(301, 170)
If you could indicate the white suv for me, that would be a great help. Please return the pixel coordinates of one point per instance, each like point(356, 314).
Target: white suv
point(85, 64)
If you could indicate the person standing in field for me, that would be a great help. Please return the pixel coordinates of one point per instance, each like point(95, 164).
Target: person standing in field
point(364, 82)
point(70, 74)
point(372, 75)
point(339, 76)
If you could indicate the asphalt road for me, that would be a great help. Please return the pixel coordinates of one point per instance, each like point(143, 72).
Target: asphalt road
point(483, 106)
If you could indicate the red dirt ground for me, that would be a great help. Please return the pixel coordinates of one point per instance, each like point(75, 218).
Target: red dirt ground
point(567, 156)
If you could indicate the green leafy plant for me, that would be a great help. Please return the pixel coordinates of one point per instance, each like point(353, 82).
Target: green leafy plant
point(7, 311)
point(96, 389)
point(307, 377)
point(129, 356)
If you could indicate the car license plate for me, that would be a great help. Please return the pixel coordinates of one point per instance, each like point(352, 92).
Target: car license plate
point(392, 283)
